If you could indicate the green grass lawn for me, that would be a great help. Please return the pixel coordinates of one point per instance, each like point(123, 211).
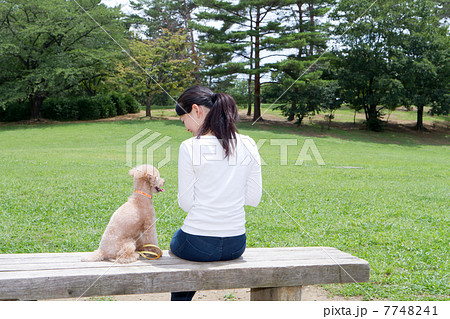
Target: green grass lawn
point(342, 115)
point(60, 184)
point(345, 114)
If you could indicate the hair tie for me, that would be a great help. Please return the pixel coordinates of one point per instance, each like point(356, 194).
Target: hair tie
point(213, 98)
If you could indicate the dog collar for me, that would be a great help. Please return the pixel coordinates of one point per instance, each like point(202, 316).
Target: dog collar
point(142, 193)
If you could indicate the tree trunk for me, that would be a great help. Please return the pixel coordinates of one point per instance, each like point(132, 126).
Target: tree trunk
point(148, 105)
point(373, 123)
point(293, 105)
point(419, 124)
point(249, 110)
point(257, 113)
point(372, 112)
point(36, 105)
point(312, 29)
point(194, 53)
point(300, 24)
point(366, 112)
point(292, 113)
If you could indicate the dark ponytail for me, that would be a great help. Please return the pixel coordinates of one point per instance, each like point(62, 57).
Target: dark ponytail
point(221, 117)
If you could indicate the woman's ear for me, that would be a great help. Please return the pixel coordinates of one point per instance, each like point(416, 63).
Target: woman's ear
point(197, 109)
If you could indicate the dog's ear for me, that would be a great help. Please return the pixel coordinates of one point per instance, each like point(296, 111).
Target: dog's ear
point(135, 173)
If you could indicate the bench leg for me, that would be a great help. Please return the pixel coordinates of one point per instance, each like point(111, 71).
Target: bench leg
point(278, 293)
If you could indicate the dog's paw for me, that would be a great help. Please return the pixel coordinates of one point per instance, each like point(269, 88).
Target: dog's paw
point(126, 259)
point(94, 256)
point(86, 257)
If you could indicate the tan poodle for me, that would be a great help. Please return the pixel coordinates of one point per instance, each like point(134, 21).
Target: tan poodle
point(133, 224)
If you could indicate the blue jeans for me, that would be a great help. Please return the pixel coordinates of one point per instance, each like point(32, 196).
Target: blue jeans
point(204, 248)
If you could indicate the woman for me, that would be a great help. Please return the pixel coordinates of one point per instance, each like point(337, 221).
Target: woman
point(219, 172)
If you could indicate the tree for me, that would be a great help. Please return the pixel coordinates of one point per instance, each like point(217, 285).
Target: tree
point(219, 43)
point(385, 61)
point(361, 75)
point(159, 17)
point(48, 47)
point(237, 45)
point(167, 63)
point(368, 35)
point(424, 79)
point(424, 62)
point(300, 75)
point(444, 9)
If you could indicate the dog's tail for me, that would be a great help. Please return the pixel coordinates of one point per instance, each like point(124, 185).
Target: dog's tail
point(97, 255)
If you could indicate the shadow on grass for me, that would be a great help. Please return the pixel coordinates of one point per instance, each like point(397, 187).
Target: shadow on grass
point(397, 134)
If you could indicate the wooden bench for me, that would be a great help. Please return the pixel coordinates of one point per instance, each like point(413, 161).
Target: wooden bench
point(271, 273)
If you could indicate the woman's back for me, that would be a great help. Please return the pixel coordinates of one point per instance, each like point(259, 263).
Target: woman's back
point(219, 172)
point(213, 189)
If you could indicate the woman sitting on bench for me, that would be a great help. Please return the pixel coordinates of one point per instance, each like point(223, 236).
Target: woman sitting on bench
point(219, 172)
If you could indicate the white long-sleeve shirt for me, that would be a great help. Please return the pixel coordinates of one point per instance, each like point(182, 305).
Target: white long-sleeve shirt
point(213, 189)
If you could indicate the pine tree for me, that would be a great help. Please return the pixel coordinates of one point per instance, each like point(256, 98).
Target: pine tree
point(298, 77)
point(157, 18)
point(238, 44)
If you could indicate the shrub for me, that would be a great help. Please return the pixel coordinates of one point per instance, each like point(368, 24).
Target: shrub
point(79, 108)
point(60, 109)
point(376, 125)
point(74, 108)
point(105, 105)
point(119, 103)
point(132, 105)
point(87, 110)
point(18, 111)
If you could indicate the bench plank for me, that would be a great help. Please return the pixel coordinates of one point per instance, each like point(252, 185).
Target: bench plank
point(250, 252)
point(60, 261)
point(63, 275)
